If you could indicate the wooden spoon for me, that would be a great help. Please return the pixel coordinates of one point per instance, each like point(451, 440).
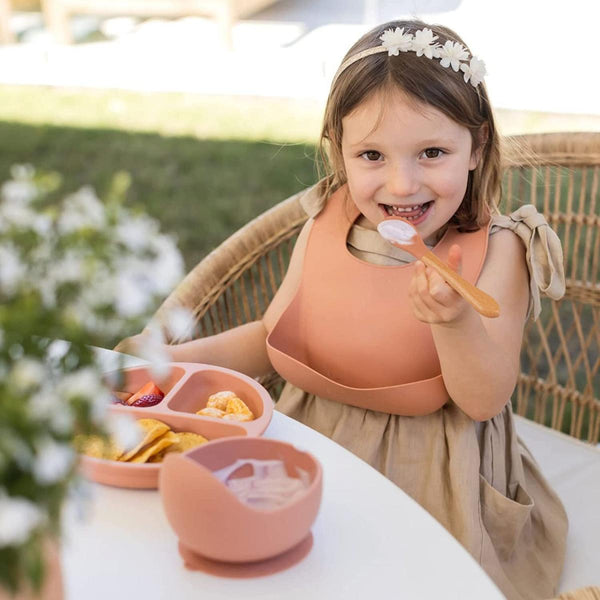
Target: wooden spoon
point(401, 233)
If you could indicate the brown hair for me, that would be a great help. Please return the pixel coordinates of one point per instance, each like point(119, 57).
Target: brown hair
point(427, 82)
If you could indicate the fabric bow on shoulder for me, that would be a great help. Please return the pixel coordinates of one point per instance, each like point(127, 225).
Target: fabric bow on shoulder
point(543, 252)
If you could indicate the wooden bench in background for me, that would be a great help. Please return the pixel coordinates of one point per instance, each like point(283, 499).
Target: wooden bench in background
point(6, 35)
point(58, 12)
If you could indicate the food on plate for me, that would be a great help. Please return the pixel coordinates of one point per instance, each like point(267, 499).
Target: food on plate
point(148, 395)
point(268, 487)
point(152, 429)
point(121, 397)
point(182, 441)
point(97, 447)
point(157, 440)
point(147, 400)
point(227, 405)
point(154, 448)
point(219, 399)
point(209, 411)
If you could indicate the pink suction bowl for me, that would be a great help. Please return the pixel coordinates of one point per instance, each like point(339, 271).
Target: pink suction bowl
point(210, 520)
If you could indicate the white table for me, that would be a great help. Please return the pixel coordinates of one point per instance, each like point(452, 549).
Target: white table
point(370, 540)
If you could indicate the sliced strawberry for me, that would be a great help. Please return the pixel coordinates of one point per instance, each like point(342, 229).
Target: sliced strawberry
point(145, 390)
point(148, 400)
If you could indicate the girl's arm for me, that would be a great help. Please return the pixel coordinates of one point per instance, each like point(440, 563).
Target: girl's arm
point(479, 356)
point(242, 348)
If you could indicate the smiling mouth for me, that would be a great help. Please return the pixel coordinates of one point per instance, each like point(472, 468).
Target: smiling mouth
point(410, 213)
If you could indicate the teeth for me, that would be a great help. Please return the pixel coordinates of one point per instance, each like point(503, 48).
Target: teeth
point(403, 210)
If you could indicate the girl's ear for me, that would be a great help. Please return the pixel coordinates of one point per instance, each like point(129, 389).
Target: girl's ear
point(482, 137)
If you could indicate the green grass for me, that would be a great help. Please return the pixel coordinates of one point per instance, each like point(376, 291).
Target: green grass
point(204, 172)
point(168, 114)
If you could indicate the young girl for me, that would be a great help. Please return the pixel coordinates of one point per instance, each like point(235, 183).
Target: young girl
point(381, 355)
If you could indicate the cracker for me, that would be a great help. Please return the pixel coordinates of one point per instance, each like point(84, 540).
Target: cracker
point(152, 429)
point(159, 444)
point(97, 447)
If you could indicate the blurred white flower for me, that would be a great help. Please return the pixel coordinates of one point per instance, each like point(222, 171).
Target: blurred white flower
point(17, 449)
point(14, 212)
point(52, 462)
point(101, 288)
point(56, 350)
point(28, 373)
point(82, 210)
point(62, 421)
point(125, 430)
point(19, 191)
point(180, 322)
point(12, 269)
point(25, 171)
point(137, 233)
point(18, 518)
point(42, 224)
point(155, 352)
point(70, 267)
point(45, 251)
point(167, 268)
point(84, 383)
point(100, 403)
point(135, 293)
point(45, 403)
point(47, 290)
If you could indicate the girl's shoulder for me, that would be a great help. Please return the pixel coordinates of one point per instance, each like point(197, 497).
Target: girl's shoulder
point(543, 250)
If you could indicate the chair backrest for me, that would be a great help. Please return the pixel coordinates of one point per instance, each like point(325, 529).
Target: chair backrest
point(559, 384)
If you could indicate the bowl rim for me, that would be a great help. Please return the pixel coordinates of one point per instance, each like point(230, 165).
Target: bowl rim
point(314, 485)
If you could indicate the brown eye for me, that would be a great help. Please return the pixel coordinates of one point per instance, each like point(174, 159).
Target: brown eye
point(372, 155)
point(433, 152)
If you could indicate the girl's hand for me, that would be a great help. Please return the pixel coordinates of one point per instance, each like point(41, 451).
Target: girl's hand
point(432, 299)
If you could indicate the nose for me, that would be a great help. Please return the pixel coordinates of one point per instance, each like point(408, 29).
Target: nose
point(403, 180)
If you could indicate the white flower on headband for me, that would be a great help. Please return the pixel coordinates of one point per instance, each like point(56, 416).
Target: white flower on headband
point(451, 54)
point(423, 43)
point(474, 71)
point(396, 41)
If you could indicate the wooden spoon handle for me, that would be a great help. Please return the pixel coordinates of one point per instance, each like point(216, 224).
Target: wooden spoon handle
point(483, 303)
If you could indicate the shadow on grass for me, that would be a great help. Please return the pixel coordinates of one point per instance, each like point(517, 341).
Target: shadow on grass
point(202, 190)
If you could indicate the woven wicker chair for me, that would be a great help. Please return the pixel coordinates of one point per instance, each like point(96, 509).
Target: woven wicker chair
point(559, 384)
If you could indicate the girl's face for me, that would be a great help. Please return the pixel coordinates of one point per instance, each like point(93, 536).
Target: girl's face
point(408, 160)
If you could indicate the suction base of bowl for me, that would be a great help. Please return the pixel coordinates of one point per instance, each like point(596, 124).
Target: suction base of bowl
point(196, 562)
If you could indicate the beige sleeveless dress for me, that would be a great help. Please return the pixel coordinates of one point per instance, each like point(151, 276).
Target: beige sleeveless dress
point(477, 479)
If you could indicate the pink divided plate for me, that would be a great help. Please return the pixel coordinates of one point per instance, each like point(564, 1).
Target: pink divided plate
point(186, 390)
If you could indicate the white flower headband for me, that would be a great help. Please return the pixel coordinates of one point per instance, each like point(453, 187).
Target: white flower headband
point(452, 54)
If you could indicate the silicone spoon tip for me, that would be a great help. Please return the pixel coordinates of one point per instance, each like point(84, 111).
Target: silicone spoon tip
point(396, 230)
